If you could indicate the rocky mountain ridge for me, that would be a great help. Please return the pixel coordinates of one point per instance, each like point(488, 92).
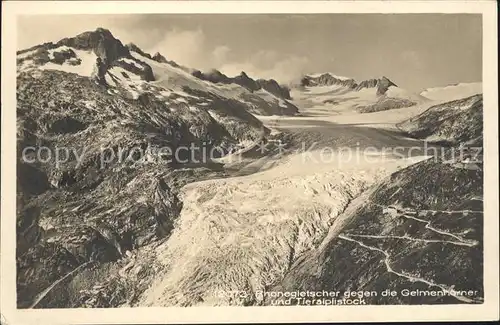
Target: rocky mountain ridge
point(128, 70)
point(244, 80)
point(327, 79)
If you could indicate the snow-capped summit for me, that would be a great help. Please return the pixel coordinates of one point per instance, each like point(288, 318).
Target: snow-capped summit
point(130, 71)
point(326, 79)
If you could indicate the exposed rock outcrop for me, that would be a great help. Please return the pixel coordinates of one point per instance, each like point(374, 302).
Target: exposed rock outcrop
point(327, 79)
point(245, 81)
point(381, 84)
point(274, 88)
point(159, 58)
point(100, 41)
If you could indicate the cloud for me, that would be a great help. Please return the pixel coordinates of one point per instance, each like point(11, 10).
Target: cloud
point(284, 70)
point(412, 58)
point(183, 46)
point(190, 48)
point(220, 54)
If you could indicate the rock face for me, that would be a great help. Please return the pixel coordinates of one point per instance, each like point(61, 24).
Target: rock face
point(159, 58)
point(244, 80)
point(135, 48)
point(384, 103)
point(100, 41)
point(274, 88)
point(99, 74)
point(156, 57)
point(136, 67)
point(381, 84)
point(213, 75)
point(62, 56)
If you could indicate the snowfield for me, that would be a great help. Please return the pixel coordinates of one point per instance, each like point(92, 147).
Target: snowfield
point(453, 92)
point(85, 68)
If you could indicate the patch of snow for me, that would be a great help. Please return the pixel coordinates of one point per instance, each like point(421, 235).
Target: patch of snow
point(85, 68)
point(283, 103)
point(397, 92)
point(165, 93)
point(214, 115)
point(185, 94)
point(118, 73)
point(129, 61)
point(58, 49)
point(25, 54)
point(109, 80)
point(134, 93)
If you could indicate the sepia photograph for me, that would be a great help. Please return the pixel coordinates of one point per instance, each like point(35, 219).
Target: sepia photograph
point(320, 160)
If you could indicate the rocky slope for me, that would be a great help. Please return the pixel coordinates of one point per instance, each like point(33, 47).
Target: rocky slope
point(455, 122)
point(93, 181)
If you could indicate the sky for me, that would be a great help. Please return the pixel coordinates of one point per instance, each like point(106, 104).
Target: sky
point(415, 51)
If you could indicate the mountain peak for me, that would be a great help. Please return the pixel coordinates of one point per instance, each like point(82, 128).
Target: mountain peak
point(101, 41)
point(327, 79)
point(159, 58)
point(104, 31)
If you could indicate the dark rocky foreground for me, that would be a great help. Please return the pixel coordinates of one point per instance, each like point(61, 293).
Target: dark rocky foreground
point(92, 211)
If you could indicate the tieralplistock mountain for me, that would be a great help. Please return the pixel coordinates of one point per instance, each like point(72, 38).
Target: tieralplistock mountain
point(105, 218)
